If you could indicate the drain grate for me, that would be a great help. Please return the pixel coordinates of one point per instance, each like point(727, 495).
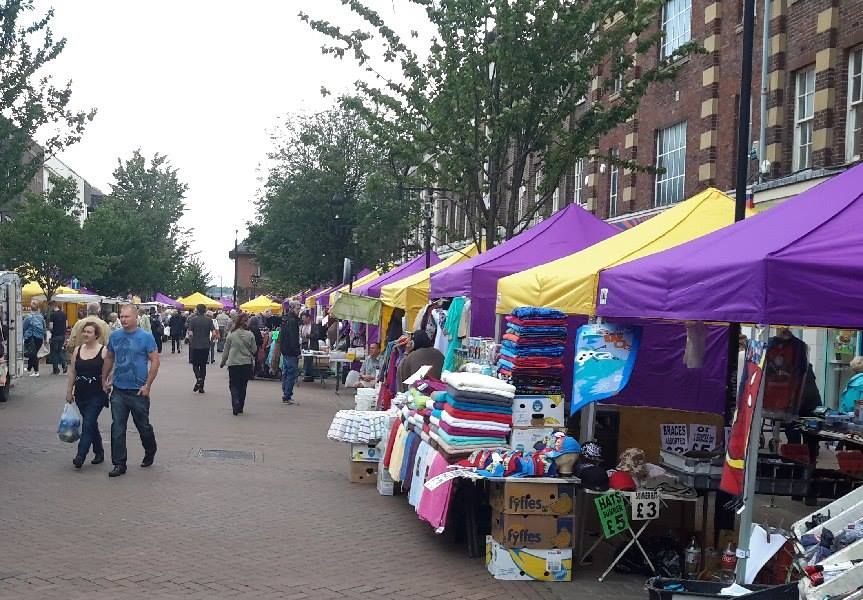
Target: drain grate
point(227, 454)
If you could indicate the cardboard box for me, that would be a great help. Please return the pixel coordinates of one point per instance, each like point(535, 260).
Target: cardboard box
point(386, 485)
point(532, 498)
point(525, 438)
point(533, 531)
point(366, 452)
point(537, 411)
point(523, 564)
point(363, 472)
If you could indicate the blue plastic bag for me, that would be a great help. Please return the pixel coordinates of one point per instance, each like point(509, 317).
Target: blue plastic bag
point(69, 429)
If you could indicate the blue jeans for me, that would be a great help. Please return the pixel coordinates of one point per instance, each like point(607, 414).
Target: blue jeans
point(290, 368)
point(57, 357)
point(124, 402)
point(90, 408)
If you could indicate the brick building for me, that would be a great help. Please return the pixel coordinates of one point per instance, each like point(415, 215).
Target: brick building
point(248, 272)
point(689, 126)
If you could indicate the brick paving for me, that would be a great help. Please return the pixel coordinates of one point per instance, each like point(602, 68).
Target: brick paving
point(287, 524)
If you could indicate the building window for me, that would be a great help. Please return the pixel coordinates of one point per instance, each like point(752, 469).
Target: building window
point(555, 200)
point(670, 164)
point(617, 82)
point(613, 183)
point(854, 128)
point(804, 118)
point(676, 25)
point(579, 181)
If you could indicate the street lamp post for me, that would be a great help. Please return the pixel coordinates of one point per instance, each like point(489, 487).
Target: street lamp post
point(236, 264)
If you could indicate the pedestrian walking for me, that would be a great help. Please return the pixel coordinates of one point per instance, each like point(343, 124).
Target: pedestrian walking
point(239, 355)
point(34, 336)
point(157, 328)
point(85, 389)
point(223, 322)
point(134, 363)
point(75, 339)
point(201, 330)
point(213, 337)
point(177, 325)
point(57, 356)
point(289, 346)
point(114, 322)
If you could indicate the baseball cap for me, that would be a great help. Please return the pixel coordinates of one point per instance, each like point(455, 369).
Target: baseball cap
point(621, 480)
point(594, 477)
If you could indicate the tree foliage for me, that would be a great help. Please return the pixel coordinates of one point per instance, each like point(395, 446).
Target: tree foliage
point(192, 276)
point(44, 242)
point(136, 230)
point(331, 194)
point(29, 101)
point(501, 89)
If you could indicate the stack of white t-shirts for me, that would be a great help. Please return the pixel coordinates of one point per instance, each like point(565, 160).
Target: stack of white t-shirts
point(365, 399)
point(360, 426)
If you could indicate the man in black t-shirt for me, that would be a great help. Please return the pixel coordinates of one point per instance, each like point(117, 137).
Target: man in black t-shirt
point(57, 322)
point(201, 328)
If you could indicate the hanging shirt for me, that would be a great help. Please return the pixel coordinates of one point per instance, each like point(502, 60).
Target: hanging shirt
point(421, 466)
point(441, 342)
point(433, 506)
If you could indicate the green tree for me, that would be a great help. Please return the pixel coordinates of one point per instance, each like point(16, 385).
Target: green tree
point(501, 89)
point(44, 242)
point(192, 276)
point(29, 101)
point(136, 230)
point(330, 194)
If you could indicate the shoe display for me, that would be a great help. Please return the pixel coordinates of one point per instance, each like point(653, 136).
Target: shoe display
point(117, 471)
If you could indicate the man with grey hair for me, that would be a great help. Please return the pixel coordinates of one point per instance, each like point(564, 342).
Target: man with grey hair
point(289, 346)
point(92, 317)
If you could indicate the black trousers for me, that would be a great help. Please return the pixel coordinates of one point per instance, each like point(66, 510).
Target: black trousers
point(238, 382)
point(200, 358)
point(176, 344)
point(33, 353)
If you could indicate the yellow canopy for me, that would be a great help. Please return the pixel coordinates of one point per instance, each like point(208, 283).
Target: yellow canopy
point(412, 292)
point(261, 304)
point(33, 289)
point(361, 281)
point(190, 302)
point(569, 284)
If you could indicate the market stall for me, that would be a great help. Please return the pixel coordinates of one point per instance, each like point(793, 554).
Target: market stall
point(192, 301)
point(411, 292)
point(166, 300)
point(565, 232)
point(776, 267)
point(261, 304)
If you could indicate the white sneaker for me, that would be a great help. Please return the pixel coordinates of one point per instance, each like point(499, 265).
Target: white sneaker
point(34, 374)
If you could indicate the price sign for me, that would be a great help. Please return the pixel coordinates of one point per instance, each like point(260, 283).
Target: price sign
point(645, 505)
point(611, 509)
point(675, 437)
point(702, 437)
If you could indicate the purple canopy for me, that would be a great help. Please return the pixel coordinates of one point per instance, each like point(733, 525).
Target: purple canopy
point(799, 263)
point(228, 303)
point(373, 288)
point(160, 297)
point(562, 234)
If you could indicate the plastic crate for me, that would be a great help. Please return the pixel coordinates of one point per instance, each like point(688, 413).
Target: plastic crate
point(693, 465)
point(832, 485)
point(660, 588)
point(778, 476)
point(850, 462)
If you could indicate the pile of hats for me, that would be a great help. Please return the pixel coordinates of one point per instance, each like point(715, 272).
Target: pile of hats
point(473, 413)
point(531, 354)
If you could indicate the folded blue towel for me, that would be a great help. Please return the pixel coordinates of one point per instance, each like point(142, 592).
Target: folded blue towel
point(537, 312)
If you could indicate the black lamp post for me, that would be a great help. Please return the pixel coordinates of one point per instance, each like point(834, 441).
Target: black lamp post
point(236, 264)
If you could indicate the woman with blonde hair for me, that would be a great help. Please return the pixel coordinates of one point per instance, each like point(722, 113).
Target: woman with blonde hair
point(85, 389)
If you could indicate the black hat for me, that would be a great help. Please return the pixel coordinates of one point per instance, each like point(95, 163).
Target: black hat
point(593, 477)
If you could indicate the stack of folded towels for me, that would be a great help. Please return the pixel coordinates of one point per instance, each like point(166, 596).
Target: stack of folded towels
point(531, 355)
point(475, 412)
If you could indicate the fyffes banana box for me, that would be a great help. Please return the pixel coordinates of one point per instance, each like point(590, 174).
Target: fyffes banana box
point(533, 531)
point(532, 498)
point(525, 564)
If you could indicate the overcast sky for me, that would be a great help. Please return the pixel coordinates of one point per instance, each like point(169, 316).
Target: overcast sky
point(201, 82)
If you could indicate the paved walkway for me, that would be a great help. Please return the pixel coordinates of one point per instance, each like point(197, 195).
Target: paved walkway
point(285, 524)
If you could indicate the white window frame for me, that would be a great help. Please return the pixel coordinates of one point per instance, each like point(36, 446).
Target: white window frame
point(555, 200)
point(613, 184)
point(854, 120)
point(804, 118)
point(579, 182)
point(676, 25)
point(670, 156)
point(617, 83)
